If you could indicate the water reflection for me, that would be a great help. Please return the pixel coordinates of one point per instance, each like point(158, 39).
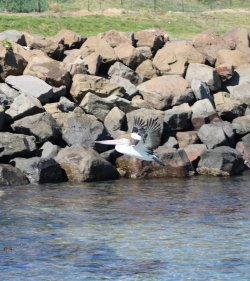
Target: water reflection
point(173, 229)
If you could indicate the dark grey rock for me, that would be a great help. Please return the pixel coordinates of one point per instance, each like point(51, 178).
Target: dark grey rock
point(7, 95)
point(42, 125)
point(84, 129)
point(178, 118)
point(10, 175)
point(242, 125)
point(49, 150)
point(65, 105)
point(31, 86)
point(39, 170)
point(203, 113)
point(16, 145)
point(217, 134)
point(221, 161)
point(99, 107)
point(118, 69)
point(204, 73)
point(201, 90)
point(23, 106)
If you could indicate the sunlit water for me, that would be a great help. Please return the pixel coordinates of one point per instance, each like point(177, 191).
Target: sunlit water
point(173, 229)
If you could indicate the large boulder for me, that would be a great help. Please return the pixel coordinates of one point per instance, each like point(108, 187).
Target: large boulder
point(221, 161)
point(225, 71)
point(47, 46)
point(10, 175)
point(42, 125)
point(121, 70)
point(114, 121)
point(13, 36)
point(209, 42)
point(82, 164)
point(175, 161)
point(238, 86)
point(194, 152)
point(16, 145)
point(123, 104)
point(49, 150)
point(69, 39)
point(174, 57)
point(81, 128)
point(241, 92)
point(130, 55)
point(11, 63)
point(129, 88)
point(203, 113)
point(165, 91)
point(39, 170)
point(186, 138)
point(242, 125)
point(23, 106)
point(100, 46)
point(243, 147)
point(31, 86)
point(217, 134)
point(178, 118)
point(154, 39)
point(7, 95)
point(92, 63)
point(201, 90)
point(227, 107)
point(83, 84)
point(116, 38)
point(241, 75)
point(146, 70)
point(204, 73)
point(233, 57)
point(99, 107)
point(239, 36)
point(51, 71)
point(65, 105)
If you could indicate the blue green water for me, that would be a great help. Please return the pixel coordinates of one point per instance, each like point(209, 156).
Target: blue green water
point(171, 229)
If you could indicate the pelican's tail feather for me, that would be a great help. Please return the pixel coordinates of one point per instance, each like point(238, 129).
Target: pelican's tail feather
point(158, 160)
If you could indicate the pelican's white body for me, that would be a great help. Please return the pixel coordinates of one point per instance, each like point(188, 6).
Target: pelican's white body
point(129, 150)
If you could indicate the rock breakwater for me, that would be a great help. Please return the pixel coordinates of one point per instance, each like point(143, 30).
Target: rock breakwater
point(59, 95)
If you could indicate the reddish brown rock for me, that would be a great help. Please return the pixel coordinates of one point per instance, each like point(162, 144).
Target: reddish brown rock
point(233, 57)
point(174, 57)
point(155, 39)
point(116, 38)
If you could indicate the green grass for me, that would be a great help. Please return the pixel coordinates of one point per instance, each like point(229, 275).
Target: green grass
point(178, 25)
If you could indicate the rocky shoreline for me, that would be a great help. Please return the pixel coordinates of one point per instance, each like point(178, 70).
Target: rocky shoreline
point(59, 95)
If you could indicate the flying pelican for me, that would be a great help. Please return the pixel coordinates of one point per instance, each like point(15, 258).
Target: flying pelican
point(141, 142)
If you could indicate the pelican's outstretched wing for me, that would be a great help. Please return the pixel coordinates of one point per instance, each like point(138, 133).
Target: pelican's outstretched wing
point(150, 136)
point(139, 126)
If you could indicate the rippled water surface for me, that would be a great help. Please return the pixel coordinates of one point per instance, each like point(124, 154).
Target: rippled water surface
point(173, 229)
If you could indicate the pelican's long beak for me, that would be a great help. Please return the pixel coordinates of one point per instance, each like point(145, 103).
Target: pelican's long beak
point(109, 142)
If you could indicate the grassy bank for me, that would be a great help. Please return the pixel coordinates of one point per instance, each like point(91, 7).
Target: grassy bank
point(178, 25)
